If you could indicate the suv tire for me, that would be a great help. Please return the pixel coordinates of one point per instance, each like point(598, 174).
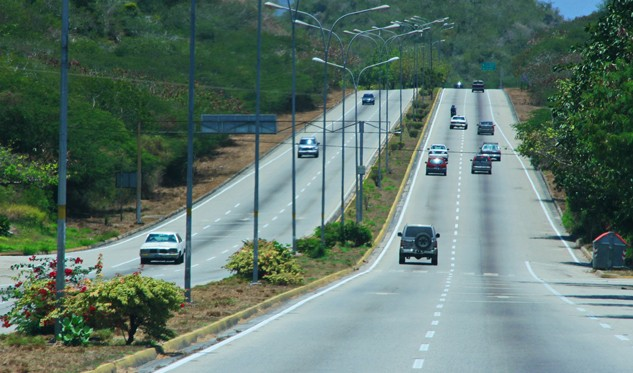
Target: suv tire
point(434, 260)
point(422, 241)
point(402, 259)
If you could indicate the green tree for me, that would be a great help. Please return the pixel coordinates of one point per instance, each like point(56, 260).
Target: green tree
point(586, 142)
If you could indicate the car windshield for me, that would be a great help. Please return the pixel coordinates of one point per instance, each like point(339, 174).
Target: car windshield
point(307, 141)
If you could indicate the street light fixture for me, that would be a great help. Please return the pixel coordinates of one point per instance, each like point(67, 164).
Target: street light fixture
point(360, 167)
point(385, 43)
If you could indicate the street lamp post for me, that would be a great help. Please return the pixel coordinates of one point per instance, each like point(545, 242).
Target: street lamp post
point(293, 18)
point(386, 42)
point(326, 49)
point(383, 48)
point(360, 167)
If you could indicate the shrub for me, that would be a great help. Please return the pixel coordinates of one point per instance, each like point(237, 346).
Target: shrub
point(415, 125)
point(393, 146)
point(413, 132)
point(311, 246)
point(332, 233)
point(33, 294)
point(5, 226)
point(358, 234)
point(276, 263)
point(129, 303)
point(27, 215)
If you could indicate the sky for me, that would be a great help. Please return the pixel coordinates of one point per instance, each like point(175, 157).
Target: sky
point(575, 8)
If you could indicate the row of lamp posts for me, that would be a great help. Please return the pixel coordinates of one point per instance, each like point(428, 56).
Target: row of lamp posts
point(327, 34)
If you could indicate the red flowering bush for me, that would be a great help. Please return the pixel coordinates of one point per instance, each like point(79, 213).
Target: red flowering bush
point(128, 303)
point(34, 292)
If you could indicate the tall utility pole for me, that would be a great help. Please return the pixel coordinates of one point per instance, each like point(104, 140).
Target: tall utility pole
point(63, 144)
point(192, 64)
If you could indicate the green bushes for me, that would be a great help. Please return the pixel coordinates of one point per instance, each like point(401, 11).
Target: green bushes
point(5, 226)
point(127, 303)
point(311, 246)
point(276, 263)
point(25, 214)
point(352, 234)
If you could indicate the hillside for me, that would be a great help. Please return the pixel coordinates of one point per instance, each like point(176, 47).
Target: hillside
point(129, 71)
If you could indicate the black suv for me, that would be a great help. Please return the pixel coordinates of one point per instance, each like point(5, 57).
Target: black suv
point(418, 241)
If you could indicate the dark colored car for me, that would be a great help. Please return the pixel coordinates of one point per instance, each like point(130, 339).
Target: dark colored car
point(418, 241)
point(481, 163)
point(486, 127)
point(459, 85)
point(478, 86)
point(368, 99)
point(492, 150)
point(436, 165)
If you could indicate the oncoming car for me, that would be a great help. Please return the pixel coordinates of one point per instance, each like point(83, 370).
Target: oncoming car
point(368, 99)
point(163, 246)
point(308, 146)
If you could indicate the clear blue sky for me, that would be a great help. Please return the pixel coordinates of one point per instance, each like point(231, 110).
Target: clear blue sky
point(575, 8)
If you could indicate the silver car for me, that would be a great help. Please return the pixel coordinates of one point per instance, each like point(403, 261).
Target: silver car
point(308, 146)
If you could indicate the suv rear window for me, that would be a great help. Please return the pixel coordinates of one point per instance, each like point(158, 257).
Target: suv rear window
point(413, 231)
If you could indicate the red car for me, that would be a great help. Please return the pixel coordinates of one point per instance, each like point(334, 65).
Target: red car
point(436, 165)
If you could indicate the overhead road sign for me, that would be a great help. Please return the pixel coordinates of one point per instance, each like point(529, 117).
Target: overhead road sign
point(238, 123)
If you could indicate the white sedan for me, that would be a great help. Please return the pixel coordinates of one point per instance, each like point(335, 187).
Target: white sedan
point(163, 246)
point(438, 150)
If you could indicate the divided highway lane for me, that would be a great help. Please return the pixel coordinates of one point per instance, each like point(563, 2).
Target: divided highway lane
point(224, 220)
point(507, 296)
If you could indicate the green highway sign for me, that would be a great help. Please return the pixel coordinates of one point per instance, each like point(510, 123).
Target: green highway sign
point(488, 66)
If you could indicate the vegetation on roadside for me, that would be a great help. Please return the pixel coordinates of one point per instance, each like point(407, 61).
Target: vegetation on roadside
point(585, 136)
point(124, 304)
